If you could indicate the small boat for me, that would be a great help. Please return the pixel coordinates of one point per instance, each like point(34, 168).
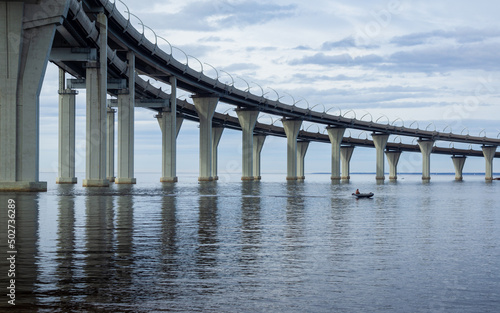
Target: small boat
point(363, 195)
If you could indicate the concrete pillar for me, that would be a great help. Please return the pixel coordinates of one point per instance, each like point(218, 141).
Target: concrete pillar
point(336, 134)
point(258, 143)
point(179, 120)
point(458, 163)
point(489, 154)
point(110, 145)
point(24, 54)
point(205, 106)
point(380, 141)
point(170, 130)
point(126, 118)
point(301, 155)
point(66, 167)
point(345, 156)
point(216, 135)
point(393, 158)
point(247, 119)
point(292, 128)
point(165, 122)
point(426, 149)
point(96, 81)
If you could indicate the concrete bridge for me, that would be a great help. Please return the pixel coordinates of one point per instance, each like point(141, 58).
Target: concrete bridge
point(95, 43)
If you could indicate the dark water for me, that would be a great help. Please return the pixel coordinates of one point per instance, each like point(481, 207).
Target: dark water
point(268, 246)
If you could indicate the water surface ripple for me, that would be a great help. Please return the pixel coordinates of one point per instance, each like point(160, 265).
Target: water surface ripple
point(259, 247)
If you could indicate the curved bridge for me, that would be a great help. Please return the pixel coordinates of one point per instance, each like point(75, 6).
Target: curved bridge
point(94, 42)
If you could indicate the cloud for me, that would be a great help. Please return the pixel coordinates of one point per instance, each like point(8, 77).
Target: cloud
point(212, 39)
point(425, 59)
point(238, 67)
point(216, 15)
point(338, 59)
point(347, 42)
point(461, 35)
point(302, 47)
point(445, 58)
point(310, 78)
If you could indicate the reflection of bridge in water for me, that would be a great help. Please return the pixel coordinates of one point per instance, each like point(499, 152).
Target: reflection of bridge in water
point(93, 42)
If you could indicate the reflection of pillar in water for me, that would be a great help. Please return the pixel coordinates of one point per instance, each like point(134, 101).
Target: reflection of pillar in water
point(207, 229)
point(24, 256)
point(295, 226)
point(66, 244)
point(251, 234)
point(124, 235)
point(99, 248)
point(169, 231)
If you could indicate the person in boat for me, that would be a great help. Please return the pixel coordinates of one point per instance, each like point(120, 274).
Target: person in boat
point(357, 191)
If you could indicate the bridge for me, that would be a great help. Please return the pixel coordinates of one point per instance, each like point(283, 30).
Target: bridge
point(97, 45)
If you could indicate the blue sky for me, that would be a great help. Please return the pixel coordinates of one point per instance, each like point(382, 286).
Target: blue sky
point(431, 64)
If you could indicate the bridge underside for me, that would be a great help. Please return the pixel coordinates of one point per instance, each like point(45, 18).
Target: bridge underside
point(26, 41)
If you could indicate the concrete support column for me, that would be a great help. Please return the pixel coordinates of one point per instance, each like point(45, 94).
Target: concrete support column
point(126, 117)
point(110, 145)
point(393, 158)
point(66, 167)
point(301, 155)
point(489, 154)
point(292, 128)
point(345, 156)
point(336, 134)
point(258, 143)
point(426, 149)
point(164, 120)
point(380, 141)
point(179, 120)
point(216, 135)
point(205, 106)
point(96, 81)
point(170, 125)
point(458, 163)
point(247, 119)
point(24, 53)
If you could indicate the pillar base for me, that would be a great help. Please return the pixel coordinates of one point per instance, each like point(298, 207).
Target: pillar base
point(257, 178)
point(66, 180)
point(129, 181)
point(301, 178)
point(336, 178)
point(393, 178)
point(459, 178)
point(206, 179)
point(291, 178)
point(111, 179)
point(169, 179)
point(489, 179)
point(380, 178)
point(23, 186)
point(247, 178)
point(95, 183)
point(345, 178)
point(425, 178)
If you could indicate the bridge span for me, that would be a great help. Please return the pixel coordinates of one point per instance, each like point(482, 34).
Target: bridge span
point(93, 42)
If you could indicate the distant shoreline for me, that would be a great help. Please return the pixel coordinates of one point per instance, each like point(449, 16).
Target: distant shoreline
point(415, 173)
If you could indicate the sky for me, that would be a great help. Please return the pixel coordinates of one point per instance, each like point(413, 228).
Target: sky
point(426, 64)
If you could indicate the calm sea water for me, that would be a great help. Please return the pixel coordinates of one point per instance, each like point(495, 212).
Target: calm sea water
point(267, 246)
